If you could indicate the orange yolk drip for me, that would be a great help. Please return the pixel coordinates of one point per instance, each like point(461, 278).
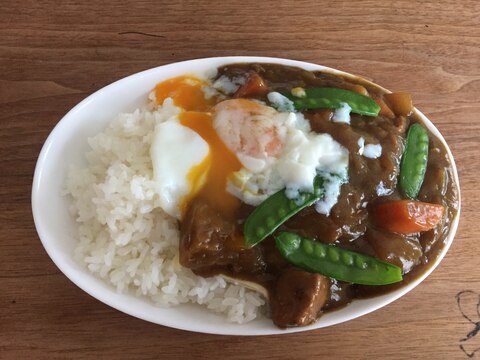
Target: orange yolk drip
point(186, 92)
point(207, 179)
point(196, 177)
point(223, 163)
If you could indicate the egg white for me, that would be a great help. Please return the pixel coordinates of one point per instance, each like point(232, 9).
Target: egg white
point(174, 151)
point(305, 154)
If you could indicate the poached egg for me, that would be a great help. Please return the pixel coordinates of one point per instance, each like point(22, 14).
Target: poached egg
point(237, 150)
point(188, 157)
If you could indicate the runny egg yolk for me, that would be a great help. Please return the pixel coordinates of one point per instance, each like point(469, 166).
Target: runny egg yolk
point(186, 92)
point(223, 163)
point(207, 179)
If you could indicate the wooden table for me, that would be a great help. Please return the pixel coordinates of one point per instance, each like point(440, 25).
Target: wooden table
point(53, 54)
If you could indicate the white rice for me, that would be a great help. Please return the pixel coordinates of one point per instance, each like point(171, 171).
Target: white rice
point(123, 235)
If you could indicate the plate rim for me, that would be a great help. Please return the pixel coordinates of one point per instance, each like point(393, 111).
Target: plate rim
point(64, 267)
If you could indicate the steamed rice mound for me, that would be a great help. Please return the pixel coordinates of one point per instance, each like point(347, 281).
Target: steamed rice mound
point(125, 238)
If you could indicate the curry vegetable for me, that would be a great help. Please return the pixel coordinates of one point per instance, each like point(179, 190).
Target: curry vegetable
point(277, 209)
point(332, 98)
point(335, 262)
point(407, 216)
point(414, 161)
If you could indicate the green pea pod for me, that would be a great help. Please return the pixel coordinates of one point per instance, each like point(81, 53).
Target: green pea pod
point(332, 98)
point(335, 262)
point(414, 161)
point(277, 209)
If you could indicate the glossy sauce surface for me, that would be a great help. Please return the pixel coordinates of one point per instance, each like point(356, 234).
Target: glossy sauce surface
point(208, 235)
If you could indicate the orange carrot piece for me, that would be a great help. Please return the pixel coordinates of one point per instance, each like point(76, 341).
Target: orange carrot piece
point(254, 85)
point(407, 216)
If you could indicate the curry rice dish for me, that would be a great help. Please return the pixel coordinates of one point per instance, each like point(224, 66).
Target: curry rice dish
point(264, 190)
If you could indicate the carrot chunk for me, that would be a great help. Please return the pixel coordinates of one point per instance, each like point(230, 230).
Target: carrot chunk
point(254, 85)
point(407, 216)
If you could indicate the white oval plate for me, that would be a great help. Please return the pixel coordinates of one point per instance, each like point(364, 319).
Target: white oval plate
point(67, 144)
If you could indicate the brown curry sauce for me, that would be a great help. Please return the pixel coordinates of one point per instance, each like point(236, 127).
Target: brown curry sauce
point(212, 241)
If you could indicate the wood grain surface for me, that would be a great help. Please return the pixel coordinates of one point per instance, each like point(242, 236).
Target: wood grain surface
point(55, 53)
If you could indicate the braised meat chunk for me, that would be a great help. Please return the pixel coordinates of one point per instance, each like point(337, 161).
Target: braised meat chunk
point(209, 241)
point(298, 298)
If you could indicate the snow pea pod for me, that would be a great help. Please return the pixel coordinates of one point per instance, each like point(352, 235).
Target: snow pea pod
point(332, 98)
point(277, 209)
point(335, 262)
point(414, 161)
